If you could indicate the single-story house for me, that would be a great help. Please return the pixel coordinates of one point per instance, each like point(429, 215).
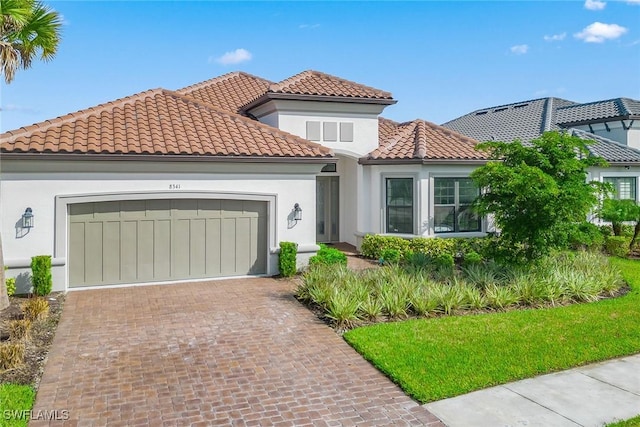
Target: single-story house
point(205, 181)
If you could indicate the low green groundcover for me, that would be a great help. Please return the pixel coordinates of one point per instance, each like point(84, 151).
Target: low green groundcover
point(15, 402)
point(433, 359)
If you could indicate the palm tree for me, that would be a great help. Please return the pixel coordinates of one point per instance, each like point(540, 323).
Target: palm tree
point(28, 29)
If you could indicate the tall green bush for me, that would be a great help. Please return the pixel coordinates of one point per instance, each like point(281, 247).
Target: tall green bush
point(41, 275)
point(533, 189)
point(287, 259)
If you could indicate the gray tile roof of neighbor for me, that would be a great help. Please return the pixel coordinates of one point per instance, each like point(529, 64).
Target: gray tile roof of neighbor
point(599, 111)
point(611, 151)
point(524, 120)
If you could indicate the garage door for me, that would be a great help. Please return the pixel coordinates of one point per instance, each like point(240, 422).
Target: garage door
point(137, 241)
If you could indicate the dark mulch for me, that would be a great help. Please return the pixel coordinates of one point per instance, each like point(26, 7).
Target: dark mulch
point(38, 346)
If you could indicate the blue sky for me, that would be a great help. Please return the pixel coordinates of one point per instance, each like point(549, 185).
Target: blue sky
point(439, 59)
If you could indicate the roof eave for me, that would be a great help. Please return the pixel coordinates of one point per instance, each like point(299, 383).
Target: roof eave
point(168, 157)
point(599, 120)
point(323, 98)
point(413, 161)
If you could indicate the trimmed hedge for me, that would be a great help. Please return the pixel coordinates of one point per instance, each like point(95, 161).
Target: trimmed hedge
point(41, 275)
point(328, 256)
point(287, 259)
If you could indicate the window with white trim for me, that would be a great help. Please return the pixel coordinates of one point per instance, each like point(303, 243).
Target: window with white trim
point(399, 205)
point(624, 187)
point(452, 205)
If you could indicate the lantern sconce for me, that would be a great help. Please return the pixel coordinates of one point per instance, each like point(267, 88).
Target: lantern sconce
point(297, 212)
point(27, 218)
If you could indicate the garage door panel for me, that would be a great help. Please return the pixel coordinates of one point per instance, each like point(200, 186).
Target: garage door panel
point(228, 246)
point(181, 237)
point(145, 248)
point(259, 245)
point(232, 208)
point(254, 209)
point(130, 209)
point(198, 248)
point(158, 240)
point(213, 253)
point(93, 246)
point(129, 251)
point(185, 208)
point(158, 209)
point(76, 252)
point(111, 251)
point(210, 208)
point(162, 250)
point(106, 211)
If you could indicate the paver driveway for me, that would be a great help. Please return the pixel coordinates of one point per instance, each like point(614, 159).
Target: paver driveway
point(232, 352)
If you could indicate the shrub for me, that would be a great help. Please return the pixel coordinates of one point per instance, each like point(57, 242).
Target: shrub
point(390, 256)
point(342, 307)
point(471, 258)
point(433, 247)
point(617, 246)
point(584, 235)
point(328, 256)
point(445, 260)
point(287, 259)
point(11, 355)
point(19, 329)
point(36, 309)
point(374, 244)
point(41, 275)
point(11, 285)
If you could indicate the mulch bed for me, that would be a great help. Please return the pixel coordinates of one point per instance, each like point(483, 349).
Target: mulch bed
point(38, 346)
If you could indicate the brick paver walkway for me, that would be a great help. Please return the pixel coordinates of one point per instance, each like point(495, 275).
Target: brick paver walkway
point(232, 352)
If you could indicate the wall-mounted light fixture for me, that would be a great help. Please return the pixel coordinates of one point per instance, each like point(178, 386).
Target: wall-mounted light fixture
point(27, 218)
point(297, 212)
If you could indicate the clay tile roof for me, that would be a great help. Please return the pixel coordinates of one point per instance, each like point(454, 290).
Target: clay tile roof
point(229, 92)
point(422, 140)
point(316, 83)
point(158, 122)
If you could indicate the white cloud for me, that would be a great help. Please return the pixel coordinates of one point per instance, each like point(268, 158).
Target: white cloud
point(234, 57)
point(19, 108)
point(599, 32)
point(555, 37)
point(308, 26)
point(594, 4)
point(519, 49)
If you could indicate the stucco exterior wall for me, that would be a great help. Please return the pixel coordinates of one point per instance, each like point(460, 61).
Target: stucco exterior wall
point(44, 186)
point(292, 116)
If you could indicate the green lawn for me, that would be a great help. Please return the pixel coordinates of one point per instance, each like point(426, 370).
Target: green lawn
point(16, 398)
point(433, 359)
point(633, 422)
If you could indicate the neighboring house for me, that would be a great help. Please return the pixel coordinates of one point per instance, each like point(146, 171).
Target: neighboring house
point(205, 181)
point(611, 126)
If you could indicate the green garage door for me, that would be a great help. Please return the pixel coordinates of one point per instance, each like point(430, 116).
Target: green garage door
point(137, 241)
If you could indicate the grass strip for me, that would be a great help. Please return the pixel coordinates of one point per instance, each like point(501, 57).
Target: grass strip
point(15, 402)
point(434, 359)
point(632, 422)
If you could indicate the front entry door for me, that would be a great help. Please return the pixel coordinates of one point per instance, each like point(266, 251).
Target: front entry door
point(327, 209)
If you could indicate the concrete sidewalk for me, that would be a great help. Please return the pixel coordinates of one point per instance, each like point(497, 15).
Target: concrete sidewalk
point(592, 395)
